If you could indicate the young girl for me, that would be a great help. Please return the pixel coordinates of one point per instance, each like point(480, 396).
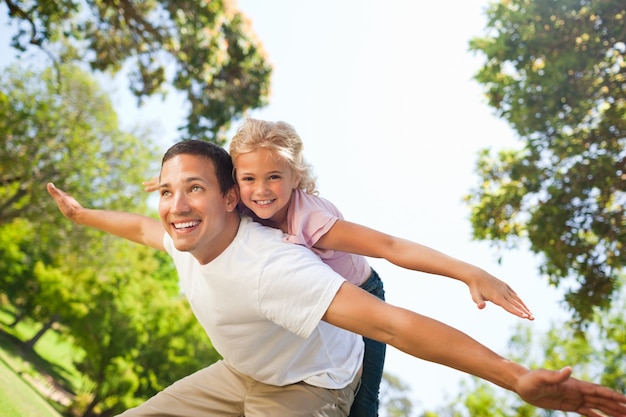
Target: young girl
point(277, 190)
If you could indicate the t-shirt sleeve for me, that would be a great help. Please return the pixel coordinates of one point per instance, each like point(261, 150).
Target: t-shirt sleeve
point(168, 244)
point(310, 218)
point(296, 290)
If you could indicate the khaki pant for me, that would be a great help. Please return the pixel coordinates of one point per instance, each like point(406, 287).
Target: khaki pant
point(221, 391)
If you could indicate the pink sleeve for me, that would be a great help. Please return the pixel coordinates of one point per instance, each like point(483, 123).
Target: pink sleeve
point(310, 217)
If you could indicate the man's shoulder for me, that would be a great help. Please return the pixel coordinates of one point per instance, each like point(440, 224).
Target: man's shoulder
point(266, 239)
point(249, 228)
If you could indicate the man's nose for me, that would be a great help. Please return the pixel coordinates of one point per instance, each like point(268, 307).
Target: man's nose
point(180, 203)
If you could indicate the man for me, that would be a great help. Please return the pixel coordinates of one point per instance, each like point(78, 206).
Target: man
point(275, 312)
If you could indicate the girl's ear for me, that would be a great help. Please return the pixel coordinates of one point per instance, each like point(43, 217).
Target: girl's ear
point(232, 198)
point(296, 181)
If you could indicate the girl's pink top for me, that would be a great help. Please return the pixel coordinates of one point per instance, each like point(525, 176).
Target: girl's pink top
point(309, 218)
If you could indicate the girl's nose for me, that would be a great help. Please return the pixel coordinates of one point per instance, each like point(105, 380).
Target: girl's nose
point(262, 188)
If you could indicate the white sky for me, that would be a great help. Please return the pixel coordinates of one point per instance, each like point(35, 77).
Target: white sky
point(383, 98)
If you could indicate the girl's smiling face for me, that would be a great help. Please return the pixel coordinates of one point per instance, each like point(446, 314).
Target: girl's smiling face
point(265, 184)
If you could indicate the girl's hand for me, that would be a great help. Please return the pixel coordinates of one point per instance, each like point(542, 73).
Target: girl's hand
point(486, 287)
point(151, 185)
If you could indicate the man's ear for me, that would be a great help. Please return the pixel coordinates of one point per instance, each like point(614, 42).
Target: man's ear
point(232, 198)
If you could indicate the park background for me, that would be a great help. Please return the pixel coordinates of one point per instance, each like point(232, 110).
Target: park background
point(384, 100)
point(392, 121)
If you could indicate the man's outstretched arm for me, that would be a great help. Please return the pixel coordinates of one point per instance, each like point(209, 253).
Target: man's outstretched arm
point(134, 227)
point(360, 312)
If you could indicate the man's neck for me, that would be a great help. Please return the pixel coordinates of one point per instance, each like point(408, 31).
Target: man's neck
point(223, 241)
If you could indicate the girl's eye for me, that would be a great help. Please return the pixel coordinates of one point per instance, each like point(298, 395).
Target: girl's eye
point(275, 177)
point(245, 179)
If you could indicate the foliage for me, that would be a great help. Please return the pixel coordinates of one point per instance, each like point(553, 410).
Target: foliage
point(68, 135)
point(393, 400)
point(17, 264)
point(126, 316)
point(555, 70)
point(117, 302)
point(138, 335)
point(205, 49)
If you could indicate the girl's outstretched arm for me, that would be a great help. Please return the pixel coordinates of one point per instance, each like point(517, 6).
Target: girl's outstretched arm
point(350, 237)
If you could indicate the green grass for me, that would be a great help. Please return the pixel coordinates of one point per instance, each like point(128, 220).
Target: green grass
point(52, 355)
point(19, 367)
point(18, 399)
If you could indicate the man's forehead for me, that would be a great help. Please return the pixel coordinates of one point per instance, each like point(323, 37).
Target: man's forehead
point(188, 168)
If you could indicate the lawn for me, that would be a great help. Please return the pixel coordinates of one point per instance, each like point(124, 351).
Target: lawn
point(23, 369)
point(17, 398)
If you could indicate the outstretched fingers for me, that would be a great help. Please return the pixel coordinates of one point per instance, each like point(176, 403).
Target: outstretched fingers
point(557, 390)
point(501, 294)
point(151, 184)
point(66, 203)
point(519, 307)
point(602, 401)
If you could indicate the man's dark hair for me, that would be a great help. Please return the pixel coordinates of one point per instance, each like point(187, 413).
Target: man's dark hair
point(222, 162)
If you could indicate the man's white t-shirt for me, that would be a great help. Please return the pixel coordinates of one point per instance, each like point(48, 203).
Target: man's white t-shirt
point(261, 302)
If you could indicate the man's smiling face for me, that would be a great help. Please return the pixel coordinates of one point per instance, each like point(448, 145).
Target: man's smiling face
point(192, 208)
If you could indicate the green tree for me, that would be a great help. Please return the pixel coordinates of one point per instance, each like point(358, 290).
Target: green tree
point(119, 303)
point(555, 70)
point(393, 399)
point(17, 263)
point(67, 134)
point(137, 335)
point(205, 49)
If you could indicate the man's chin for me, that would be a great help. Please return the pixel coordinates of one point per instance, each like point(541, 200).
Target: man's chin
point(182, 245)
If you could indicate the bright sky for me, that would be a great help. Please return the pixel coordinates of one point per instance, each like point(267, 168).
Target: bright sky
point(383, 98)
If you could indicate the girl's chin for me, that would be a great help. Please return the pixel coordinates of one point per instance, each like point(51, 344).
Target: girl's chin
point(262, 216)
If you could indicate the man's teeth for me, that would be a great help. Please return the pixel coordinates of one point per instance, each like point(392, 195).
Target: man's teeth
point(185, 225)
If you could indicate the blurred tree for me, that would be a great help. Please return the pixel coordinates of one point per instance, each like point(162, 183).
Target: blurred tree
point(134, 331)
point(138, 335)
point(393, 397)
point(205, 49)
point(555, 70)
point(119, 303)
point(67, 135)
point(17, 263)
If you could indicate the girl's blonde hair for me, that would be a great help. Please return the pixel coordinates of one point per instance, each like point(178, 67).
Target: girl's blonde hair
point(279, 137)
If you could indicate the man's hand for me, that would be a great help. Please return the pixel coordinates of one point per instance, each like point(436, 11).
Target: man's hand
point(134, 227)
point(557, 390)
point(67, 204)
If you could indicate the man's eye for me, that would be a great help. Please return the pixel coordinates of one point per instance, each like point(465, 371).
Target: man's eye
point(165, 193)
point(196, 188)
